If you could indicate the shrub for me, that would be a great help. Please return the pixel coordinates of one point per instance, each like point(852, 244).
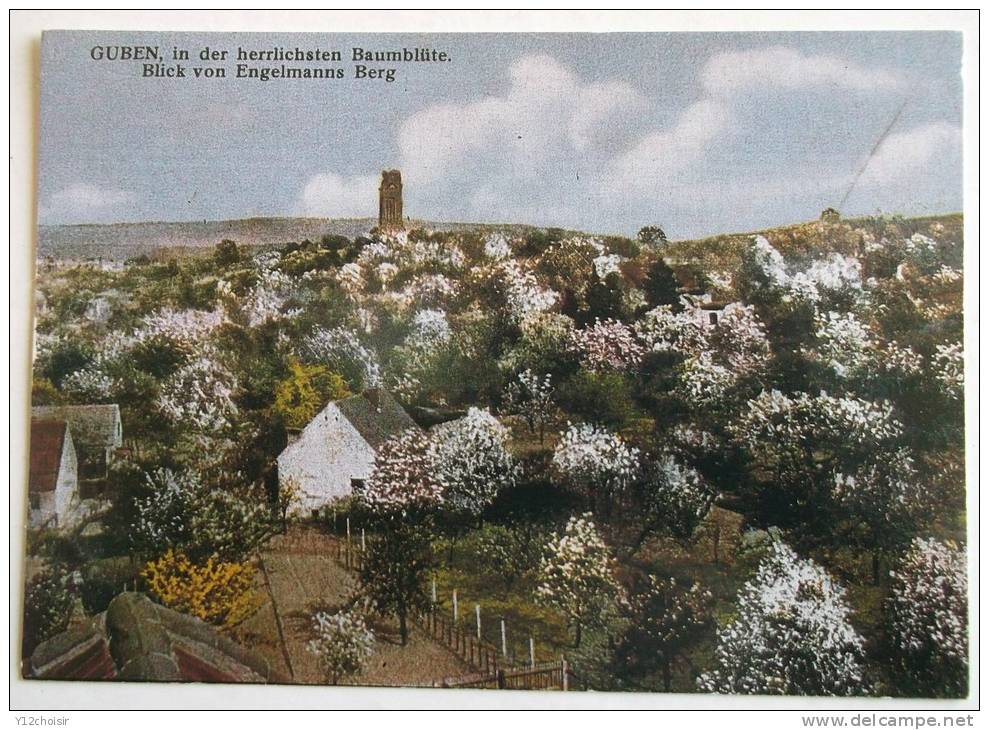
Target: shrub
point(216, 592)
point(342, 645)
point(307, 390)
point(603, 398)
point(47, 607)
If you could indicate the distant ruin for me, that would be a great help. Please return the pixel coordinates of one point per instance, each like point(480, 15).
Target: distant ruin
point(390, 201)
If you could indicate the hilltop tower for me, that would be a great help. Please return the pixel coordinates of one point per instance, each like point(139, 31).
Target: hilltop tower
point(390, 201)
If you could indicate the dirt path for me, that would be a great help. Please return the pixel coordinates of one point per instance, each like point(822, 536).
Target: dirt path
point(301, 575)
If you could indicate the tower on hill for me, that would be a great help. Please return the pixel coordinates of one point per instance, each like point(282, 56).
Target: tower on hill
point(390, 200)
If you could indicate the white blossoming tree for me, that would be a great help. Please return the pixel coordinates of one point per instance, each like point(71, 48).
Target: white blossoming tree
point(402, 494)
point(927, 617)
point(405, 479)
point(200, 396)
point(673, 497)
point(523, 293)
point(712, 360)
point(597, 463)
point(791, 635)
point(607, 345)
point(577, 575)
point(342, 643)
point(829, 281)
point(849, 348)
point(949, 369)
point(473, 461)
point(179, 510)
point(532, 397)
point(886, 494)
point(342, 351)
point(798, 442)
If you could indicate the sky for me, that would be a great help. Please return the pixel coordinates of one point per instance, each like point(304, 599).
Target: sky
point(700, 133)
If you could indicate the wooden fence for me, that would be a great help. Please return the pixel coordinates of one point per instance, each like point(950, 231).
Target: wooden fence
point(495, 669)
point(478, 653)
point(548, 675)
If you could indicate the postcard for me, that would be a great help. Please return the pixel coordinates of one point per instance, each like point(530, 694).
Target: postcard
point(616, 362)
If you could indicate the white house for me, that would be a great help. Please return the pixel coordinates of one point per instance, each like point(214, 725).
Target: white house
point(97, 432)
point(53, 478)
point(703, 310)
point(335, 451)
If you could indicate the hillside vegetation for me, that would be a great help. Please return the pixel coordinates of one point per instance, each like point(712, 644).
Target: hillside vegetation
point(755, 488)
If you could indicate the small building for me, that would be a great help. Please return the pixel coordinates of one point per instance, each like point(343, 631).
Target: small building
point(335, 452)
point(53, 475)
point(137, 640)
point(97, 433)
point(705, 311)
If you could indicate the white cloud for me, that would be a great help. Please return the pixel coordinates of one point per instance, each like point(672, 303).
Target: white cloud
point(786, 68)
point(552, 148)
point(331, 195)
point(903, 155)
point(650, 165)
point(86, 203)
point(546, 111)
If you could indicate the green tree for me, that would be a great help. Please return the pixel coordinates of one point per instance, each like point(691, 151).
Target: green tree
point(652, 236)
point(226, 253)
point(393, 572)
point(666, 619)
point(661, 285)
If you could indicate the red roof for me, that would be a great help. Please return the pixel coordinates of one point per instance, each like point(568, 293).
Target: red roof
point(47, 444)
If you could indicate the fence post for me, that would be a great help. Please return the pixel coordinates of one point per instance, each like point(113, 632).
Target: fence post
point(532, 653)
point(349, 557)
point(477, 612)
point(501, 679)
point(565, 670)
point(504, 644)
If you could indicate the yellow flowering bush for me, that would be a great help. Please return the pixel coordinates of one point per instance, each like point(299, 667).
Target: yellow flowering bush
point(217, 592)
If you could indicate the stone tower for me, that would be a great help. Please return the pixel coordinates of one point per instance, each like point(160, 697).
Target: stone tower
point(390, 200)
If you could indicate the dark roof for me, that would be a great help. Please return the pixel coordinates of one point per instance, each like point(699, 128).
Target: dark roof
point(47, 444)
point(138, 640)
point(376, 415)
point(92, 426)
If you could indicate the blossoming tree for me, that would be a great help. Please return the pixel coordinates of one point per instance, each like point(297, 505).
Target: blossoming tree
point(577, 574)
point(927, 616)
point(792, 635)
point(401, 494)
point(473, 461)
point(597, 463)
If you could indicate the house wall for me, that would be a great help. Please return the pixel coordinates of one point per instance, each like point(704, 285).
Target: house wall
point(44, 515)
point(327, 455)
point(57, 509)
point(67, 486)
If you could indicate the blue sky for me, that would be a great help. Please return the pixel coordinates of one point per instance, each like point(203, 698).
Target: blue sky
point(697, 132)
